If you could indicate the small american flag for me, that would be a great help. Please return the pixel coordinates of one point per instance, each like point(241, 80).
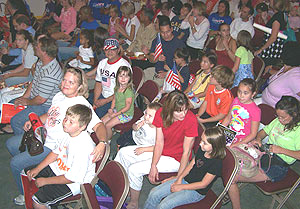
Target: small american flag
point(173, 79)
point(158, 47)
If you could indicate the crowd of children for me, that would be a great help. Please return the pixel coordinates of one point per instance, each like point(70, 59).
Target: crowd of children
point(163, 138)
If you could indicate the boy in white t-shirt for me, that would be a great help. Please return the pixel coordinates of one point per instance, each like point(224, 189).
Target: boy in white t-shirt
point(142, 132)
point(60, 174)
point(106, 77)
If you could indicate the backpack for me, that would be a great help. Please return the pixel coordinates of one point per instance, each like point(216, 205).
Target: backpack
point(248, 157)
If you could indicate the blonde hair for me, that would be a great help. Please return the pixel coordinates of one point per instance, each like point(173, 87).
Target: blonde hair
point(82, 81)
point(201, 7)
point(223, 75)
point(127, 8)
point(114, 8)
point(175, 101)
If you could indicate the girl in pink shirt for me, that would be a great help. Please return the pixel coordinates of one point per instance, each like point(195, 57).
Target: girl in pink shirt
point(244, 117)
point(67, 19)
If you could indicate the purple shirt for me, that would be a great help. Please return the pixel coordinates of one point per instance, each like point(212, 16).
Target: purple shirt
point(282, 84)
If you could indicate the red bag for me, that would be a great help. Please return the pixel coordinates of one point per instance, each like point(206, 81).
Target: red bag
point(8, 111)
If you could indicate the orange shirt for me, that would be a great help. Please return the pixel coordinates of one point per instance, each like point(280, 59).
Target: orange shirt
point(218, 101)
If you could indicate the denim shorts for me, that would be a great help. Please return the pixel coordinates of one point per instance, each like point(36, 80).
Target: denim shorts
point(278, 169)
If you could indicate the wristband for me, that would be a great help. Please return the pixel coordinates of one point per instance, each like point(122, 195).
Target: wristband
point(104, 142)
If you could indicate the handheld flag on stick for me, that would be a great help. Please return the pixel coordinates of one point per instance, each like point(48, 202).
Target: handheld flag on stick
point(158, 48)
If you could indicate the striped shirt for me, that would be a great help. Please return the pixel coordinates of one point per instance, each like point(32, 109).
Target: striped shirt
point(46, 80)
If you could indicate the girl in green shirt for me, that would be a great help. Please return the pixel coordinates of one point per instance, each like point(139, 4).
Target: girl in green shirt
point(122, 106)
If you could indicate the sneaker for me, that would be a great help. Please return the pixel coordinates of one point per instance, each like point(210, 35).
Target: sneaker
point(20, 200)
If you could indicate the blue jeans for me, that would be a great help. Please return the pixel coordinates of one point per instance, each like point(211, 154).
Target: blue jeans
point(22, 160)
point(161, 196)
point(17, 122)
point(100, 111)
point(16, 52)
point(65, 51)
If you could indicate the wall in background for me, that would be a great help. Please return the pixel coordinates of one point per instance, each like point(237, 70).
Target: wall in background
point(37, 6)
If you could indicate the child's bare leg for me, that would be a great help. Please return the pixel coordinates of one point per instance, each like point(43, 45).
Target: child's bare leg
point(234, 192)
point(134, 199)
point(38, 206)
point(109, 125)
point(105, 118)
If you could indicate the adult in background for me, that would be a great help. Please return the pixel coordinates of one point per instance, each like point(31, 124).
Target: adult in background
point(284, 142)
point(243, 22)
point(286, 80)
point(66, 49)
point(46, 79)
point(220, 17)
point(177, 20)
point(271, 51)
point(15, 7)
point(224, 46)
point(169, 45)
point(198, 26)
point(176, 128)
point(22, 73)
point(73, 91)
point(144, 37)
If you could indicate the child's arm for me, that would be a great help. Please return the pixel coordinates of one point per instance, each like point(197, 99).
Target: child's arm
point(185, 172)
point(251, 136)
point(138, 125)
point(51, 157)
point(236, 64)
point(91, 73)
point(113, 103)
point(189, 88)
point(52, 180)
point(91, 62)
point(141, 150)
point(207, 179)
point(227, 119)
point(202, 108)
point(218, 117)
point(202, 94)
point(128, 103)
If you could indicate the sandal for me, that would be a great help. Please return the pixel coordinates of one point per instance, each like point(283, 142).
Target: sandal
point(2, 131)
point(226, 199)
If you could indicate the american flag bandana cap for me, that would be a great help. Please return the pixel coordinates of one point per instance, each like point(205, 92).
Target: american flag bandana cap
point(111, 43)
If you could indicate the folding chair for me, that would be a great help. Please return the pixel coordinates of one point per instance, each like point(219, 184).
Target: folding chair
point(288, 184)
point(211, 200)
point(194, 66)
point(138, 79)
point(234, 91)
point(268, 113)
point(149, 90)
point(115, 177)
point(258, 67)
point(99, 166)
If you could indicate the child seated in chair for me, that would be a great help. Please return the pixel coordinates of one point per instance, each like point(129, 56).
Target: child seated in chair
point(218, 97)
point(60, 174)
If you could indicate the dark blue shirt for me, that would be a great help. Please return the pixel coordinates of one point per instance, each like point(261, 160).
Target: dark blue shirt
point(185, 73)
point(87, 25)
point(168, 50)
point(215, 20)
point(96, 5)
point(176, 23)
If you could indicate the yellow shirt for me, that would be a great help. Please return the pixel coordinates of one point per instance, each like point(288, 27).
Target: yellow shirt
point(198, 86)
